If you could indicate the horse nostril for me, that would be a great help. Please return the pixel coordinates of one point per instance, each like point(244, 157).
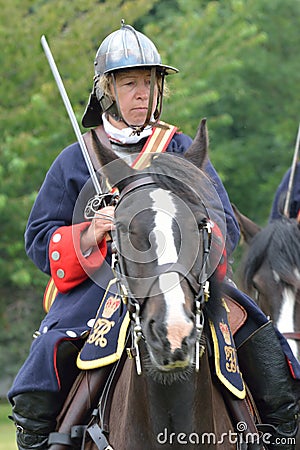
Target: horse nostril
point(179, 355)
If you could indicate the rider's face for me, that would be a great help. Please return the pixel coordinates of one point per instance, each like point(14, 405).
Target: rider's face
point(133, 89)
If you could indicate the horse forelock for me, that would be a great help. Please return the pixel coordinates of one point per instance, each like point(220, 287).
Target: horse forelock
point(174, 173)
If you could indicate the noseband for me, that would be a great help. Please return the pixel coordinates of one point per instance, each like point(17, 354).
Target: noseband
point(200, 286)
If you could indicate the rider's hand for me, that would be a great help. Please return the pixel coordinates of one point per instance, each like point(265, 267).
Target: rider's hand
point(101, 224)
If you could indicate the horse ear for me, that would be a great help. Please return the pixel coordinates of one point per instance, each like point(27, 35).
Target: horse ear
point(248, 228)
point(197, 152)
point(115, 169)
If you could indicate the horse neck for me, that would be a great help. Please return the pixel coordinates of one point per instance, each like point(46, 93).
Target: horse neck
point(145, 412)
point(162, 406)
point(171, 407)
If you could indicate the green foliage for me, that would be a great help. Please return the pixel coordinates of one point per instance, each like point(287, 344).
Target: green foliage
point(238, 68)
point(34, 123)
point(8, 431)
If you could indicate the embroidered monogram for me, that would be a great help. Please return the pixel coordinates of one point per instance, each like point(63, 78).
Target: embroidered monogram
point(100, 329)
point(231, 362)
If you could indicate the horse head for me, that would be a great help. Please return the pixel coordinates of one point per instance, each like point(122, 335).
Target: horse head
point(271, 270)
point(160, 208)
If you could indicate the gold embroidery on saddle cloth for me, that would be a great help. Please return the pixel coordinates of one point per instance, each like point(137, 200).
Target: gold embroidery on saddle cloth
point(105, 332)
point(102, 326)
point(100, 329)
point(225, 356)
point(231, 361)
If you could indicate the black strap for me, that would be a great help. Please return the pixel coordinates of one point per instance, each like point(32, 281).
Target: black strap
point(98, 437)
point(60, 438)
point(77, 432)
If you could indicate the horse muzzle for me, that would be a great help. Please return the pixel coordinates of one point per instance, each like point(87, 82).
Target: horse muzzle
point(170, 348)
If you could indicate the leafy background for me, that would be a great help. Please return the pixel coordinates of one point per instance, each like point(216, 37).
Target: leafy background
point(239, 67)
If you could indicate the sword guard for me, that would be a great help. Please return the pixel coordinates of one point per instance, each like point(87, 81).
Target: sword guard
point(98, 202)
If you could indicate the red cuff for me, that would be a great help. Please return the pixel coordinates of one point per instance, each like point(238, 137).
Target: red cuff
point(68, 266)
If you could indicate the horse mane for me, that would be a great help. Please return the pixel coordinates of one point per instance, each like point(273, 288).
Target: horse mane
point(278, 244)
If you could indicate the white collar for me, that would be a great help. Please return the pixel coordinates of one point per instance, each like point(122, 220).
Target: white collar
point(124, 135)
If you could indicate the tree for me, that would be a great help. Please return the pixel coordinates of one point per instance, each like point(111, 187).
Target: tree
point(241, 73)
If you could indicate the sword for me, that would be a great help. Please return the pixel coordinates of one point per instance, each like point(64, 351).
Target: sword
point(72, 117)
point(292, 176)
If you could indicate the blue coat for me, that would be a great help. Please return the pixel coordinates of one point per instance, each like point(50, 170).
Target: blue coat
point(280, 196)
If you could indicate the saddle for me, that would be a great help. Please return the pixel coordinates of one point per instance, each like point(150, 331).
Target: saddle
point(237, 315)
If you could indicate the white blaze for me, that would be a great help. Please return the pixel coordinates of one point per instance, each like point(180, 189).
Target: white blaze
point(285, 322)
point(164, 239)
point(177, 323)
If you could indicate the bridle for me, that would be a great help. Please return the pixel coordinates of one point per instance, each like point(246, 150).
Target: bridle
point(292, 335)
point(199, 287)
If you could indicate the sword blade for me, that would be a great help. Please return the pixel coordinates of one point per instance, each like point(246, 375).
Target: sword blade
point(292, 176)
point(71, 114)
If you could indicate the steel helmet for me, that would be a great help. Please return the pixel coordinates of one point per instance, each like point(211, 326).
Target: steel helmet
point(124, 48)
point(127, 48)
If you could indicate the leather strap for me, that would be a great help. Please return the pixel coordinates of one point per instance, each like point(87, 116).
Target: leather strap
point(292, 335)
point(60, 438)
point(98, 437)
point(244, 412)
point(89, 144)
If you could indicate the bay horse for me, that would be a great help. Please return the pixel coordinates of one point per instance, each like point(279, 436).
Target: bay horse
point(167, 395)
point(271, 272)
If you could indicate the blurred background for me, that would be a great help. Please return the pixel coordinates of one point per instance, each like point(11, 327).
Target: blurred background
point(239, 67)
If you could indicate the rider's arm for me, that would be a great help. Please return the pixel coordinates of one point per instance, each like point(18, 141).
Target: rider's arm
point(52, 240)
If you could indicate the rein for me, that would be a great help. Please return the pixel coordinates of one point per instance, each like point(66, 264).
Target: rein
point(292, 335)
point(200, 286)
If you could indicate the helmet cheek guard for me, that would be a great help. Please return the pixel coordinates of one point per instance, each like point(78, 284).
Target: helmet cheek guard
point(125, 48)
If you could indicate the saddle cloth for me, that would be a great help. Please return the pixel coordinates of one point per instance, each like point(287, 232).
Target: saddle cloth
point(223, 324)
point(106, 341)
